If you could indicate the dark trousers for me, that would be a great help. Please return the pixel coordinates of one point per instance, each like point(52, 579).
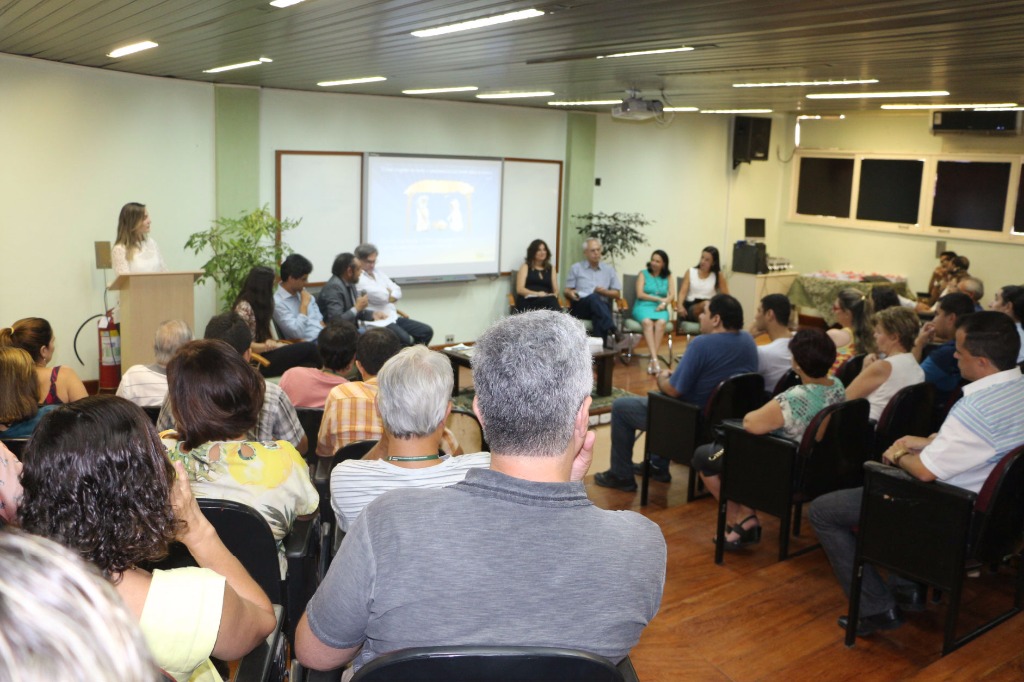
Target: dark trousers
point(410, 331)
point(302, 354)
point(596, 309)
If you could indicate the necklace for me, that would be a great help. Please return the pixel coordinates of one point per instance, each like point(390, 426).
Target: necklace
point(422, 458)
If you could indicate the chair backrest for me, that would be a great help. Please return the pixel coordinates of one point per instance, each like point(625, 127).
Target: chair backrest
point(467, 429)
point(629, 290)
point(310, 418)
point(836, 460)
point(733, 398)
point(491, 663)
point(152, 411)
point(786, 382)
point(354, 450)
point(673, 428)
point(911, 412)
point(16, 445)
point(999, 509)
point(849, 370)
point(247, 535)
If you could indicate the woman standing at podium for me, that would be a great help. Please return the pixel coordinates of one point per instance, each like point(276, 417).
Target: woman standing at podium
point(135, 251)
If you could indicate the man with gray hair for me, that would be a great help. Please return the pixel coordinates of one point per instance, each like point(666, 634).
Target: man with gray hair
point(383, 293)
point(146, 385)
point(414, 390)
point(592, 287)
point(513, 555)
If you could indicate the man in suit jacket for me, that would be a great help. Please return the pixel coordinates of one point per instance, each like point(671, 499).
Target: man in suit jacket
point(339, 299)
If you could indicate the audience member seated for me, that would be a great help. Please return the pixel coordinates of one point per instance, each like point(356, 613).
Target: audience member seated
point(62, 621)
point(653, 295)
point(774, 358)
point(981, 428)
point(973, 287)
point(383, 294)
point(722, 350)
point(1010, 300)
point(940, 367)
point(336, 346)
point(216, 400)
point(537, 280)
point(592, 287)
point(938, 280)
point(350, 413)
point(255, 305)
point(957, 271)
point(277, 417)
point(146, 385)
point(700, 284)
point(10, 488)
point(884, 297)
point(35, 335)
point(414, 401)
point(852, 311)
point(19, 412)
point(339, 300)
point(786, 415)
point(97, 480)
point(894, 367)
point(295, 312)
point(542, 565)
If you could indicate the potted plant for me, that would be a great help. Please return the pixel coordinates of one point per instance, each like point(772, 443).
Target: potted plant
point(238, 245)
point(619, 233)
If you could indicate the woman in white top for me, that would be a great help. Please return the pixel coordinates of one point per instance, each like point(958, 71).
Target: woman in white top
point(881, 378)
point(700, 284)
point(135, 251)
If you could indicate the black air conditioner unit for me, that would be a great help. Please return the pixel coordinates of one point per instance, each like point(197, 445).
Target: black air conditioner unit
point(987, 122)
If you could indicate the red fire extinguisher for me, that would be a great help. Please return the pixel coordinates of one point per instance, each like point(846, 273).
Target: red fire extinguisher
point(109, 339)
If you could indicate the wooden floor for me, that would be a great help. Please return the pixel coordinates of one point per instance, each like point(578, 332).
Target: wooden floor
point(754, 618)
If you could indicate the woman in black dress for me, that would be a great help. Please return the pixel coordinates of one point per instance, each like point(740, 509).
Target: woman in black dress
point(535, 281)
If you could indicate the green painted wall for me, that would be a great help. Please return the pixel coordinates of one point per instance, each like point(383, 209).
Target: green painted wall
point(237, 113)
point(580, 146)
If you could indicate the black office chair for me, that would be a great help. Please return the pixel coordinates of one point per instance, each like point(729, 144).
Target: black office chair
point(329, 537)
point(777, 476)
point(849, 370)
point(153, 412)
point(911, 412)
point(786, 382)
point(494, 664)
point(941, 530)
point(310, 418)
point(676, 428)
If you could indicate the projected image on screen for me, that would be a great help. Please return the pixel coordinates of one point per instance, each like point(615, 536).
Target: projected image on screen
point(825, 187)
point(890, 190)
point(434, 216)
point(971, 195)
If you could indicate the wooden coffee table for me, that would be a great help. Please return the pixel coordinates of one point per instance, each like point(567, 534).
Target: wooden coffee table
point(604, 363)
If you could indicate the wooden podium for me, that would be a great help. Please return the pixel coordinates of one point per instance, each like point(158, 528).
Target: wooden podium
point(147, 299)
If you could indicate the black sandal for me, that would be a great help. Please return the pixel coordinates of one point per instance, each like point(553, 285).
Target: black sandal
point(747, 536)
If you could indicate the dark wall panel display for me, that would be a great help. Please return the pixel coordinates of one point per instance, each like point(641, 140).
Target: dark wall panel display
point(825, 187)
point(971, 195)
point(890, 190)
point(1018, 215)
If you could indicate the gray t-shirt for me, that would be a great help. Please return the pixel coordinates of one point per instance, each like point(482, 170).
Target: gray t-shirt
point(493, 560)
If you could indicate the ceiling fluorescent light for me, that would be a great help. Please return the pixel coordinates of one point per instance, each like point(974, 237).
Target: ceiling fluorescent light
point(735, 111)
point(285, 3)
point(478, 23)
point(1000, 109)
point(514, 95)
point(678, 109)
point(586, 103)
point(352, 81)
point(434, 91)
point(132, 49)
point(947, 106)
point(241, 65)
point(868, 95)
point(788, 84)
point(643, 52)
point(827, 117)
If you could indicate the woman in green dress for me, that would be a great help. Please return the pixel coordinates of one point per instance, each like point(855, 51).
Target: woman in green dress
point(652, 304)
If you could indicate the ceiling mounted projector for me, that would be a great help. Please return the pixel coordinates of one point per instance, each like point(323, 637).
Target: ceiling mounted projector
point(637, 109)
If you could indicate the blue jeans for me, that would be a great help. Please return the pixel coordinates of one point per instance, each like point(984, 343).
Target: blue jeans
point(834, 516)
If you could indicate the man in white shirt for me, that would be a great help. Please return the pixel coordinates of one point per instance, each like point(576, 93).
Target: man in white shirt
point(383, 294)
point(295, 311)
point(146, 385)
point(772, 318)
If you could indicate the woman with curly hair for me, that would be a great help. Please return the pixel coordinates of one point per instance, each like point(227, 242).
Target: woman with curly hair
point(97, 480)
point(35, 335)
point(255, 305)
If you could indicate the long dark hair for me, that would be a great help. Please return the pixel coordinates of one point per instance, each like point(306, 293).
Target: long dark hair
point(715, 265)
point(665, 272)
point(860, 308)
point(531, 253)
point(258, 292)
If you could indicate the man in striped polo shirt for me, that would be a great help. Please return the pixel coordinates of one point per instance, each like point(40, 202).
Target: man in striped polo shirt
point(981, 428)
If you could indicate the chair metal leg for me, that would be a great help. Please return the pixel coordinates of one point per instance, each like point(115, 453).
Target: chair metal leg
point(798, 508)
point(723, 504)
point(646, 479)
point(854, 613)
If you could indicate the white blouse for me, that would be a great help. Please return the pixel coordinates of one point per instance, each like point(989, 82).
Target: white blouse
point(147, 258)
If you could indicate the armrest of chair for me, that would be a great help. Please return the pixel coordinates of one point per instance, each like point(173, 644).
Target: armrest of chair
point(322, 483)
point(299, 542)
point(301, 547)
point(256, 666)
point(258, 359)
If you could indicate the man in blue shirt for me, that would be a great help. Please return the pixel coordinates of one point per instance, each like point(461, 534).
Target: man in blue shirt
point(295, 312)
point(591, 287)
point(722, 350)
point(940, 367)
